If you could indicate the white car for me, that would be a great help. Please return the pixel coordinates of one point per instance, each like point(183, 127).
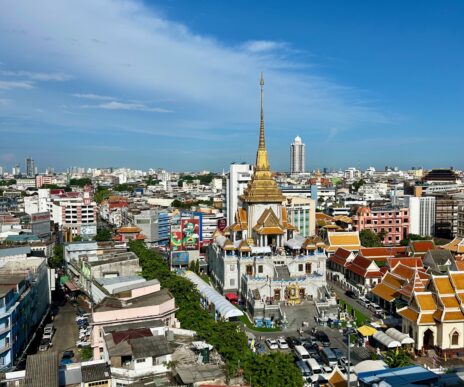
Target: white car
point(282, 343)
point(82, 344)
point(343, 361)
point(272, 344)
point(364, 301)
point(376, 309)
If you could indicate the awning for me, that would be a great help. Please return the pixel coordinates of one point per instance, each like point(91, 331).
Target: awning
point(222, 305)
point(71, 285)
point(366, 330)
point(403, 338)
point(386, 340)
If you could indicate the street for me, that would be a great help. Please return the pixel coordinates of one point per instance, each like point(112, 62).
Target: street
point(66, 333)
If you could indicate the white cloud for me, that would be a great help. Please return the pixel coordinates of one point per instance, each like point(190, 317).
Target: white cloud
point(8, 85)
point(93, 96)
point(38, 76)
point(131, 51)
point(115, 105)
point(259, 46)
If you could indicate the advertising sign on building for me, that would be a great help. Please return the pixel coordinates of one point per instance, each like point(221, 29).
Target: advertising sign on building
point(221, 224)
point(179, 258)
point(176, 237)
point(190, 234)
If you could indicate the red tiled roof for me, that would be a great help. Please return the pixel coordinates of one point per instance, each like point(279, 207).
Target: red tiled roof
point(130, 334)
point(384, 252)
point(361, 261)
point(407, 261)
point(422, 246)
point(342, 253)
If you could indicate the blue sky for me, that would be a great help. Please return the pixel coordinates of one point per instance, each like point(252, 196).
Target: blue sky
point(175, 84)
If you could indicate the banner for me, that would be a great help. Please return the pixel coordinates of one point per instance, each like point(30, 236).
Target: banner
point(176, 237)
point(190, 234)
point(179, 258)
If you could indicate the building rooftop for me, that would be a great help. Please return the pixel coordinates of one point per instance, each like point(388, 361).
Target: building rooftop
point(95, 372)
point(156, 298)
point(42, 370)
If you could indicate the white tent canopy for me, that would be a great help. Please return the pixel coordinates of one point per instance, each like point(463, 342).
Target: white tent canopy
point(295, 243)
point(386, 340)
point(223, 307)
point(403, 338)
point(260, 250)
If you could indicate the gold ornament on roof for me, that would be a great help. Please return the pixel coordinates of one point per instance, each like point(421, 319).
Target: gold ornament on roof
point(262, 187)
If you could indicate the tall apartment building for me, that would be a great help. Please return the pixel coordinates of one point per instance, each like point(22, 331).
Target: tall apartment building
point(446, 214)
point(239, 177)
point(393, 220)
point(297, 156)
point(422, 215)
point(460, 233)
point(30, 167)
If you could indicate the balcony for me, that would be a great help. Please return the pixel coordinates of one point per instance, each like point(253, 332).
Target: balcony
point(5, 348)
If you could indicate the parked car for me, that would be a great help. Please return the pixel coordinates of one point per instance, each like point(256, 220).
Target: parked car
point(68, 354)
point(49, 328)
point(282, 343)
point(81, 318)
point(82, 344)
point(351, 294)
point(292, 341)
point(272, 344)
point(376, 309)
point(338, 353)
point(343, 361)
point(323, 338)
point(66, 361)
point(363, 301)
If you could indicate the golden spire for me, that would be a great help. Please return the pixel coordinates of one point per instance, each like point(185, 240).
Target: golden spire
point(262, 161)
point(262, 188)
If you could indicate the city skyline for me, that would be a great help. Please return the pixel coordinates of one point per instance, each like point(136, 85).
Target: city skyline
point(149, 85)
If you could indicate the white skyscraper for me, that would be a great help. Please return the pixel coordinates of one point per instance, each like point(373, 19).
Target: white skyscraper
point(239, 177)
point(297, 156)
point(421, 215)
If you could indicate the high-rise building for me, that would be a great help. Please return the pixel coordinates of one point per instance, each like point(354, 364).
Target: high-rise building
point(16, 170)
point(421, 215)
point(239, 177)
point(297, 156)
point(30, 167)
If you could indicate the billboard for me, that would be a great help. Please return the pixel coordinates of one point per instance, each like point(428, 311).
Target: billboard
point(179, 258)
point(190, 234)
point(176, 237)
point(221, 224)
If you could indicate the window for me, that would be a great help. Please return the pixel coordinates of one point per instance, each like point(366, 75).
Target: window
point(140, 361)
point(455, 338)
point(300, 267)
point(232, 282)
point(260, 269)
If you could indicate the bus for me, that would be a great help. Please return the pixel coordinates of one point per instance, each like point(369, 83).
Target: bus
point(328, 357)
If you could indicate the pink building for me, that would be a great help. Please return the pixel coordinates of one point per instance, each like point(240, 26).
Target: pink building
point(131, 304)
point(393, 220)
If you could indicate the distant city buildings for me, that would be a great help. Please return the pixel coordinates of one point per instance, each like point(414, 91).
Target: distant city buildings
point(297, 156)
point(239, 177)
point(422, 215)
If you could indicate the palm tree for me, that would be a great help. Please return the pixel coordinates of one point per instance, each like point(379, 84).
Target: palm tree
point(397, 358)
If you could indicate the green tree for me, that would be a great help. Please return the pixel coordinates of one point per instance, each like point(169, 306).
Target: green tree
point(369, 239)
point(397, 358)
point(103, 235)
point(77, 238)
point(57, 258)
point(101, 194)
point(80, 182)
point(274, 370)
point(357, 184)
point(86, 353)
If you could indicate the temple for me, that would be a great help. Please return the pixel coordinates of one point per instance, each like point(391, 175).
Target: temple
point(261, 257)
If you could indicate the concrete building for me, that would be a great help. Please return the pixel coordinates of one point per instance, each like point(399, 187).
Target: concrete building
point(24, 300)
point(446, 214)
point(297, 156)
point(460, 233)
point(421, 215)
point(239, 177)
point(302, 214)
point(30, 167)
point(392, 220)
